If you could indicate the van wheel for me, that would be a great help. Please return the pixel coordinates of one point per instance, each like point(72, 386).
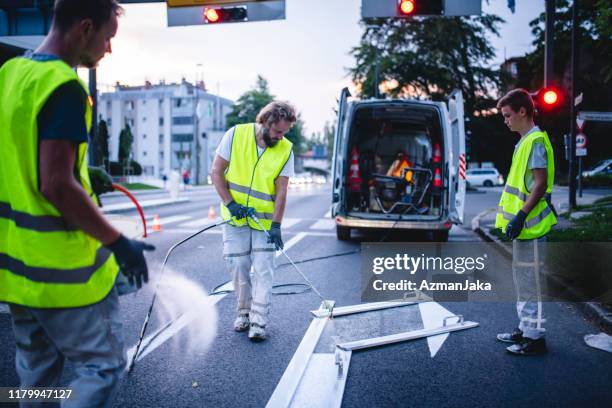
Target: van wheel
point(440, 236)
point(488, 183)
point(343, 233)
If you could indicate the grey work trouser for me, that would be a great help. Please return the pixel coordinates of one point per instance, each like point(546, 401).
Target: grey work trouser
point(89, 337)
point(244, 247)
point(528, 271)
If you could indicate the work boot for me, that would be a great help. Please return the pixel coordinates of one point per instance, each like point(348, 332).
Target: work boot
point(515, 337)
point(257, 332)
point(528, 347)
point(241, 323)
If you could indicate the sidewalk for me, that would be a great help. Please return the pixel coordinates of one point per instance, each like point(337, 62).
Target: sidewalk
point(484, 222)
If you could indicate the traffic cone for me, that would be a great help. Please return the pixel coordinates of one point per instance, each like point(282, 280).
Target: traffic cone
point(156, 223)
point(437, 181)
point(211, 213)
point(437, 154)
point(354, 178)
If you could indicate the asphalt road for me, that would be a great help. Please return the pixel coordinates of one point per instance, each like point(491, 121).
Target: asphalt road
point(470, 369)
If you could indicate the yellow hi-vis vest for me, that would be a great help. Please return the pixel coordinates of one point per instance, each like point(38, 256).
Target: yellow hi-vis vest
point(251, 178)
point(541, 218)
point(44, 261)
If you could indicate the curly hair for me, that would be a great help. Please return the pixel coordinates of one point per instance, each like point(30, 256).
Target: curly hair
point(276, 111)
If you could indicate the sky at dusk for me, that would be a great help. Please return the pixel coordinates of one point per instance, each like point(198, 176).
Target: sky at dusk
point(304, 57)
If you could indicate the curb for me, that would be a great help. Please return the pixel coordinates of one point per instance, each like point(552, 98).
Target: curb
point(144, 207)
point(593, 311)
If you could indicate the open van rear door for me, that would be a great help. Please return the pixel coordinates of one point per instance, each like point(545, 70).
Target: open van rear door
point(457, 183)
point(338, 159)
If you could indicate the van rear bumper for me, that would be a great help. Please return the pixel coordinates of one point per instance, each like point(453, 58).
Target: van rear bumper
point(386, 224)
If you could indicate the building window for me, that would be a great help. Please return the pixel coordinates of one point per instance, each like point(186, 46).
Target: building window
point(144, 118)
point(143, 101)
point(182, 120)
point(161, 121)
point(144, 153)
point(161, 139)
point(177, 102)
point(109, 122)
point(144, 135)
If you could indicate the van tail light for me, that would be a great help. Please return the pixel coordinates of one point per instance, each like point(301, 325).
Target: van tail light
point(437, 154)
point(437, 181)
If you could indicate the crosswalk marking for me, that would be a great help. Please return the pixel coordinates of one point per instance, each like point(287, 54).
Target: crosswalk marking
point(170, 220)
point(325, 224)
point(290, 222)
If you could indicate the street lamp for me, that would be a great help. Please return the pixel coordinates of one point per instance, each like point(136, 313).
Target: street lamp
point(196, 140)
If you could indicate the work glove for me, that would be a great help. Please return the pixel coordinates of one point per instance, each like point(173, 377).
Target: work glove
point(130, 257)
point(274, 236)
point(238, 211)
point(101, 181)
point(514, 227)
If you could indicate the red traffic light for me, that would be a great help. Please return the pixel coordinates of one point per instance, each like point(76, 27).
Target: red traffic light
point(406, 7)
point(211, 15)
point(550, 97)
point(225, 14)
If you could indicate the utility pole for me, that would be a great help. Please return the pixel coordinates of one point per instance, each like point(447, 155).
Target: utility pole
point(93, 133)
point(572, 146)
point(549, 43)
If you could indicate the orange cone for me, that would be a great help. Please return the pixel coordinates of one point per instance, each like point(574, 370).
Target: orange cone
point(156, 223)
point(211, 213)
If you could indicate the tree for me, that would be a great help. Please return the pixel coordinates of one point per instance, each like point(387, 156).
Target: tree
point(428, 58)
point(126, 139)
point(102, 145)
point(251, 102)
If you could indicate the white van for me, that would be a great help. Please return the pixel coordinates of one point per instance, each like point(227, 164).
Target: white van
point(398, 164)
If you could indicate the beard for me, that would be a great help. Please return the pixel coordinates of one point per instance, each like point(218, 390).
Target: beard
point(267, 139)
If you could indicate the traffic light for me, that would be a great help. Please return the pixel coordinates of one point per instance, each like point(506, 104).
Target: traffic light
point(214, 15)
point(408, 8)
point(548, 99)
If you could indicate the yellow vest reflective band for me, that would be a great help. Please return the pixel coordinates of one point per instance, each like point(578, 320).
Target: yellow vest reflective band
point(251, 178)
point(541, 218)
point(44, 261)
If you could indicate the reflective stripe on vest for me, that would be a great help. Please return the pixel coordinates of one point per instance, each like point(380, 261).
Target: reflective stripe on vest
point(541, 218)
point(44, 261)
point(251, 178)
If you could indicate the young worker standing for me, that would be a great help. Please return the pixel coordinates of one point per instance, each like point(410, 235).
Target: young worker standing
point(525, 214)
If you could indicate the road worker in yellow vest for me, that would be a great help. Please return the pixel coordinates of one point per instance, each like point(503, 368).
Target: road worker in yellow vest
point(251, 172)
point(59, 256)
point(525, 214)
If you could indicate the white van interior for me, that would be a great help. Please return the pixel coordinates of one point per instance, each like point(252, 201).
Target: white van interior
point(400, 149)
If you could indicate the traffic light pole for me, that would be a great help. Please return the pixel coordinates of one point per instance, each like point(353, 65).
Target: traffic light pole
point(572, 145)
point(549, 37)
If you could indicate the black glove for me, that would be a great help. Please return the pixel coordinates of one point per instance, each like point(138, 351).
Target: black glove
point(514, 227)
point(101, 181)
point(237, 210)
point(275, 235)
point(129, 256)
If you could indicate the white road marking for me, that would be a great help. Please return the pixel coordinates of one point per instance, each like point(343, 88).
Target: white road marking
point(327, 214)
point(169, 220)
point(291, 242)
point(199, 222)
point(325, 224)
point(290, 222)
point(432, 315)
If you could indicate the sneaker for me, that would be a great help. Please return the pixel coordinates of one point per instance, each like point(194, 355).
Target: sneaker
point(241, 323)
point(515, 337)
point(528, 347)
point(257, 332)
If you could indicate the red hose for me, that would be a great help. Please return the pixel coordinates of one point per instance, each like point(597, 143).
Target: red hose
point(138, 207)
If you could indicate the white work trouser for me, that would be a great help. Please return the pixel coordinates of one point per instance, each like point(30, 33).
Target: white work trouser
point(528, 271)
point(244, 247)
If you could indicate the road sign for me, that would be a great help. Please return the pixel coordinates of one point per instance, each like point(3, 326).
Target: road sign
point(581, 152)
point(578, 100)
point(580, 123)
point(581, 140)
point(595, 116)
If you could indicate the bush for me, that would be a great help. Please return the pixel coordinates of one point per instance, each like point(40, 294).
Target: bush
point(116, 168)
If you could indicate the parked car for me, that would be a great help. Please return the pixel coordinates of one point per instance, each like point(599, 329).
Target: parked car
point(604, 167)
point(487, 177)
